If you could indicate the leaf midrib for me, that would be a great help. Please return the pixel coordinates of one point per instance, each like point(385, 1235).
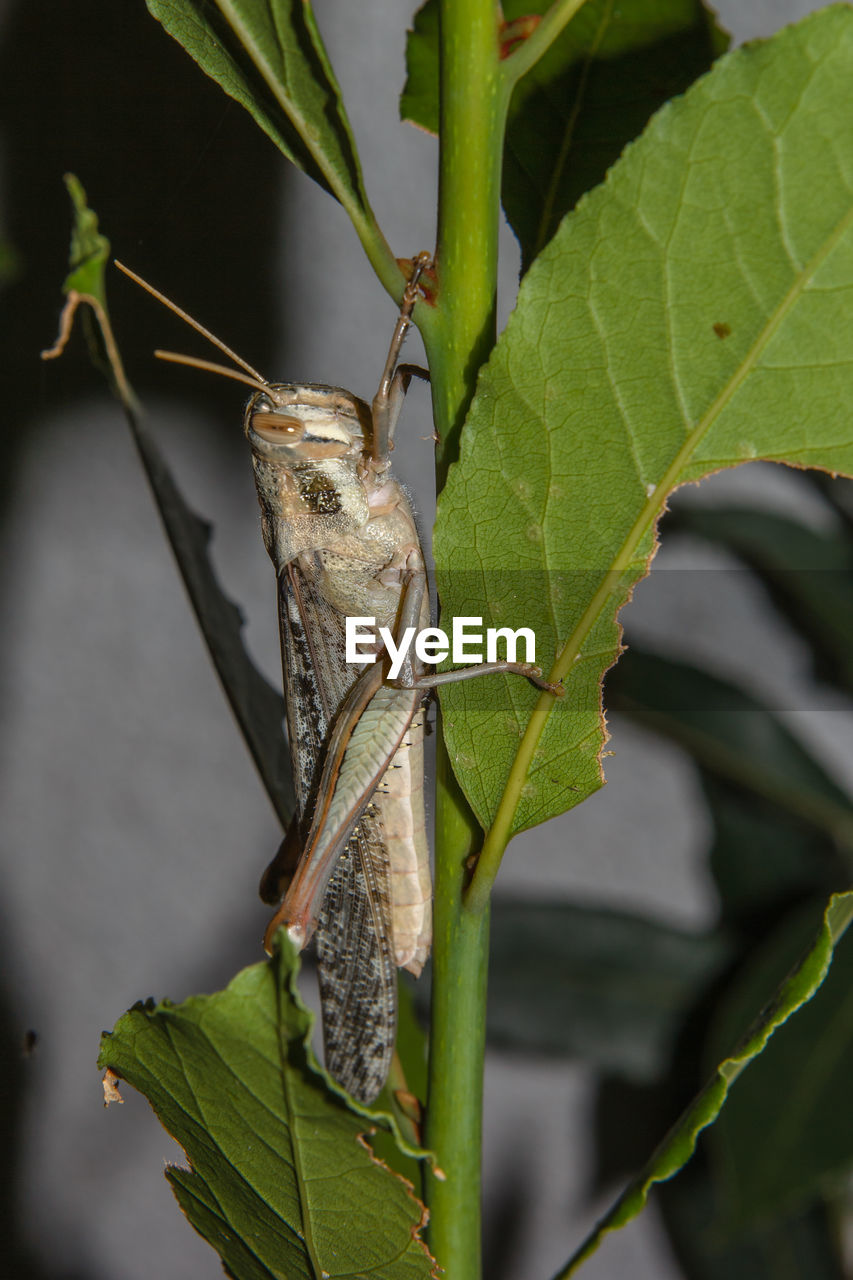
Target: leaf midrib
point(501, 829)
point(296, 1149)
point(303, 126)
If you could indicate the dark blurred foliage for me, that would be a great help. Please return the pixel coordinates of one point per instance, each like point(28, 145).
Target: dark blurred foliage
point(191, 195)
point(186, 187)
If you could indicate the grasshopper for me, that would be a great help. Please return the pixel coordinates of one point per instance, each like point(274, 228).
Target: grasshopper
point(353, 869)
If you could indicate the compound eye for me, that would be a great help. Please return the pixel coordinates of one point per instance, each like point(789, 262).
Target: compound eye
point(276, 428)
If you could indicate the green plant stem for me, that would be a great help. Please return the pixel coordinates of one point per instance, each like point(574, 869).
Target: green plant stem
point(474, 97)
point(454, 1127)
point(475, 92)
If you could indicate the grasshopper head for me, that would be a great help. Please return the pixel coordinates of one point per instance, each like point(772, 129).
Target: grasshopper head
point(307, 443)
point(293, 423)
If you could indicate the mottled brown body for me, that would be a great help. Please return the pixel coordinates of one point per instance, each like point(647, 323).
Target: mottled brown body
point(340, 532)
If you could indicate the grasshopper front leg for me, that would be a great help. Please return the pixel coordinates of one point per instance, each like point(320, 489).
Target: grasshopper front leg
point(394, 383)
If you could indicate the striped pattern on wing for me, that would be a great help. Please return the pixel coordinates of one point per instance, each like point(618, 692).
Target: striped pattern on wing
point(358, 983)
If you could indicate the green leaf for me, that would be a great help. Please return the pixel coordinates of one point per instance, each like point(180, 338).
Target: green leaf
point(802, 1245)
point(269, 57)
point(610, 387)
point(785, 1134)
point(604, 986)
point(85, 292)
point(591, 92)
point(808, 574)
point(419, 99)
point(411, 1044)
point(90, 250)
point(280, 1181)
point(678, 1145)
point(409, 1074)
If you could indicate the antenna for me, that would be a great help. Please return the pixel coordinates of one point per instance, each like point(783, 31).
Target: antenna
point(257, 380)
point(177, 357)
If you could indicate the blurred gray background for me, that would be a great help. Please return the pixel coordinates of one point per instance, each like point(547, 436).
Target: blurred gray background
point(134, 826)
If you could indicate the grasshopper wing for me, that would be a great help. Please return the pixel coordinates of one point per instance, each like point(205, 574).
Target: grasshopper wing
point(358, 983)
